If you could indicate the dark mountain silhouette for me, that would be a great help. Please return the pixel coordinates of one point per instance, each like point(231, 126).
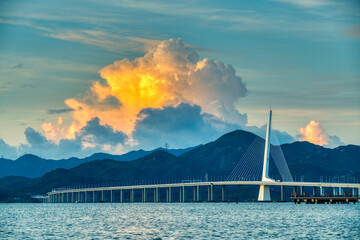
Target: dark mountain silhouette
point(218, 158)
point(32, 166)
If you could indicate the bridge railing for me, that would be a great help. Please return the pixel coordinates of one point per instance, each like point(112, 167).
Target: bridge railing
point(157, 181)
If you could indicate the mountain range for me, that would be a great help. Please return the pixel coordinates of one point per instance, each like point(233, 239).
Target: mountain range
point(32, 166)
point(305, 160)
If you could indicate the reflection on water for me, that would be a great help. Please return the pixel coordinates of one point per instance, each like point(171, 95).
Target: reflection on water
point(179, 221)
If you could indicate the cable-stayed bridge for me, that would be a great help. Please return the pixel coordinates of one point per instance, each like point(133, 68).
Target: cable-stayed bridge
point(252, 169)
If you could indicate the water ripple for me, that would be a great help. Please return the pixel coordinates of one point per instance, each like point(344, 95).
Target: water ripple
point(179, 221)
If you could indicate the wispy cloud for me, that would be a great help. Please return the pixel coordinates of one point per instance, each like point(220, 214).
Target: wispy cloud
point(307, 3)
point(19, 65)
point(63, 110)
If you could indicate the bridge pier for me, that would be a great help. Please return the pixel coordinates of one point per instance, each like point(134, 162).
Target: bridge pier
point(143, 195)
point(183, 194)
point(264, 193)
point(167, 194)
point(156, 195)
point(282, 193)
point(198, 193)
point(131, 195)
point(180, 194)
point(223, 193)
point(341, 191)
point(208, 194)
point(170, 194)
point(211, 193)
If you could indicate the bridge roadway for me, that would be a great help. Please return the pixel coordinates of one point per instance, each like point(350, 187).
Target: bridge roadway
point(92, 194)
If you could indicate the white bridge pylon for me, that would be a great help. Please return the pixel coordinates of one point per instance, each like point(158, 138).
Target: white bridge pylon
point(264, 191)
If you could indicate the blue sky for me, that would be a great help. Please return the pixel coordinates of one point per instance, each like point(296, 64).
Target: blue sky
point(300, 57)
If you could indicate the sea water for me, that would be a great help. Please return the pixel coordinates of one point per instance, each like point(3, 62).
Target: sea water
point(179, 221)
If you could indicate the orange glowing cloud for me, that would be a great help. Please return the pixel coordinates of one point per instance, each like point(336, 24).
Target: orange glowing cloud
point(166, 75)
point(56, 132)
point(314, 133)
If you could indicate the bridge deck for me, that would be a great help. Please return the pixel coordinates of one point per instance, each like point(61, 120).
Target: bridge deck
point(258, 183)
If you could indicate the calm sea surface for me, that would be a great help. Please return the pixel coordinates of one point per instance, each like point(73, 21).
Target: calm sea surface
point(179, 221)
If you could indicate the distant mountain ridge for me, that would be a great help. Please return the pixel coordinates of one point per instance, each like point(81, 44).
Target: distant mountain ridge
point(32, 166)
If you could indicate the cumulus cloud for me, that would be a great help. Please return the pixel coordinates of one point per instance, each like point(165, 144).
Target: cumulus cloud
point(315, 133)
point(92, 138)
point(181, 126)
point(167, 75)
point(7, 151)
point(168, 95)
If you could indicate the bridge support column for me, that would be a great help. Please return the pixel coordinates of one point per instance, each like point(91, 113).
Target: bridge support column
point(111, 195)
point(197, 193)
point(334, 191)
point(85, 195)
point(194, 194)
point(341, 191)
point(353, 191)
point(301, 190)
point(282, 193)
point(170, 194)
point(264, 193)
point(102, 195)
point(180, 194)
point(322, 191)
point(121, 195)
point(212, 193)
point(208, 193)
point(143, 195)
point(167, 195)
point(93, 196)
point(314, 191)
point(223, 193)
point(294, 191)
point(183, 195)
point(132, 195)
